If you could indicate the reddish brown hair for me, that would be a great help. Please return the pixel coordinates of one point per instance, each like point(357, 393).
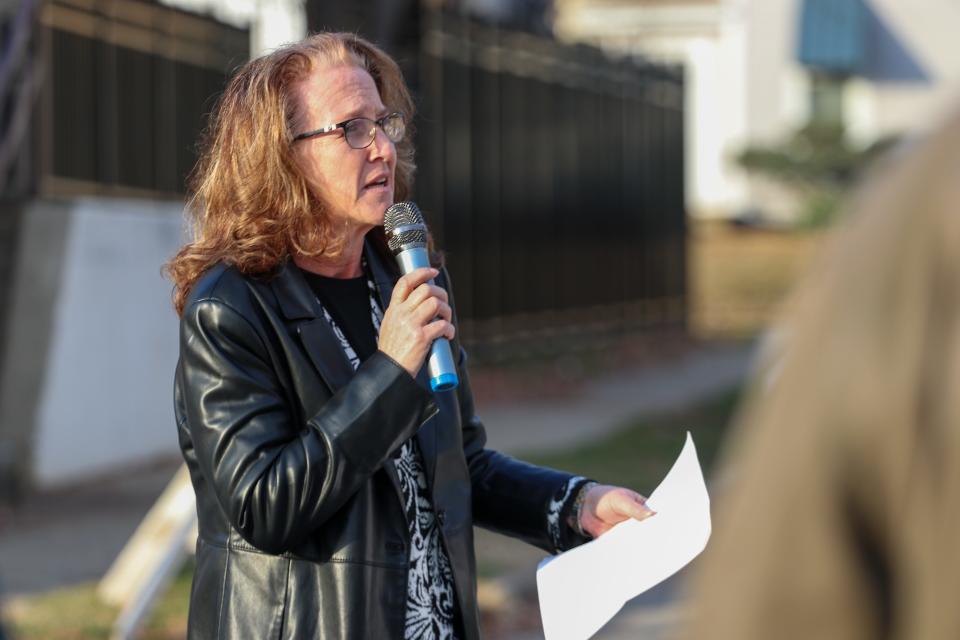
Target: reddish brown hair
point(249, 206)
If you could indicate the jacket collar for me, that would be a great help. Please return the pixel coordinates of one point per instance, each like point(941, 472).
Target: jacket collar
point(297, 301)
point(294, 295)
point(383, 276)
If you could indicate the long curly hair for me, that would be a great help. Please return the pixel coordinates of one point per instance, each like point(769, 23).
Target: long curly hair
point(248, 204)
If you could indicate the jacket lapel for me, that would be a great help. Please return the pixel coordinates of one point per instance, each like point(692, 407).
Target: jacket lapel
point(326, 352)
point(384, 278)
point(383, 275)
point(427, 436)
point(321, 344)
point(300, 305)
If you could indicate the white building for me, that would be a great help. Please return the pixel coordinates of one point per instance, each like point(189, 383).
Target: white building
point(746, 84)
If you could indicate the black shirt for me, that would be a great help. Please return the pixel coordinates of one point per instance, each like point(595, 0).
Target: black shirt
point(348, 302)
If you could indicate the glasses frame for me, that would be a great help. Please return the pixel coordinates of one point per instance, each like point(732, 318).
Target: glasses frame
point(343, 125)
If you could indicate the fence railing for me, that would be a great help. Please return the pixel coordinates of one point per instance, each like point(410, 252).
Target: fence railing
point(129, 84)
point(552, 175)
point(553, 180)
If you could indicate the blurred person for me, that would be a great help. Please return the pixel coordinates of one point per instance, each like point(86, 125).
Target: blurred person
point(841, 510)
point(336, 495)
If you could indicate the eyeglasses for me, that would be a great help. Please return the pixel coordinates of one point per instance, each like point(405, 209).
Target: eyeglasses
point(360, 132)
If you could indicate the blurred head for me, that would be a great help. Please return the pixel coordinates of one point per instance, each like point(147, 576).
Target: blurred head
point(257, 195)
point(841, 513)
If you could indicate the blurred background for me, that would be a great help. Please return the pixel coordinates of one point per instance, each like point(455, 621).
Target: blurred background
point(626, 191)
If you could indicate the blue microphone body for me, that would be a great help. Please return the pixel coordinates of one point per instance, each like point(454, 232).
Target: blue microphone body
point(406, 237)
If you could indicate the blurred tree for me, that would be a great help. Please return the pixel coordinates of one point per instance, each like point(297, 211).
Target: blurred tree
point(818, 164)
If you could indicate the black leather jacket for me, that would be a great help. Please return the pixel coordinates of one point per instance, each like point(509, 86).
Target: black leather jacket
point(302, 532)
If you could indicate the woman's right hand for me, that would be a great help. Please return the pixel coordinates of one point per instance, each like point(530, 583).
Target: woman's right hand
point(417, 315)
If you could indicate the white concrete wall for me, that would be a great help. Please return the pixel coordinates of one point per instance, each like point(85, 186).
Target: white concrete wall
point(107, 394)
point(776, 86)
point(721, 114)
point(715, 119)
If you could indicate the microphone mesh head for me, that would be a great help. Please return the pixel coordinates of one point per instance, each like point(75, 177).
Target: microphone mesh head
point(404, 225)
point(402, 214)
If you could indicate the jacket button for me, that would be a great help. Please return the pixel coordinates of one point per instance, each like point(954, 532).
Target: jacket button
point(441, 517)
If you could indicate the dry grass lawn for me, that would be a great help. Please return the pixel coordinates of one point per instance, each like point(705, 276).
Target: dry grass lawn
point(740, 277)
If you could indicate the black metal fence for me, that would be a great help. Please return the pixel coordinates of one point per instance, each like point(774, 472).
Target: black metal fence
point(129, 84)
point(552, 175)
point(553, 180)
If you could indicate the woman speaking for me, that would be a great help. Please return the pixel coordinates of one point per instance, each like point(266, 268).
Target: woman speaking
point(336, 493)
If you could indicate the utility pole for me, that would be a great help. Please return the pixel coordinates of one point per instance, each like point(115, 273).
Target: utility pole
point(21, 78)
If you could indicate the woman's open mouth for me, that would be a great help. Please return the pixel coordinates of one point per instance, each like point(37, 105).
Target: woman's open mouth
point(379, 183)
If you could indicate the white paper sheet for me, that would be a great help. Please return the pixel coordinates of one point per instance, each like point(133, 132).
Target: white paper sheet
point(580, 590)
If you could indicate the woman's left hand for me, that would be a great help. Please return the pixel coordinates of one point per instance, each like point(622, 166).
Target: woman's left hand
point(605, 506)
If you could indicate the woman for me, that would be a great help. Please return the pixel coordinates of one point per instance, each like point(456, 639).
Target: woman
point(841, 517)
point(336, 494)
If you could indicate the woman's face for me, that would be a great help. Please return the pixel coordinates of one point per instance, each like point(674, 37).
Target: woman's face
point(356, 185)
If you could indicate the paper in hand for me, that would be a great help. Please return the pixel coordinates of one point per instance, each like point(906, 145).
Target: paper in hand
point(580, 590)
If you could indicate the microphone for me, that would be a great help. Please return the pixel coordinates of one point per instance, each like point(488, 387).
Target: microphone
point(407, 239)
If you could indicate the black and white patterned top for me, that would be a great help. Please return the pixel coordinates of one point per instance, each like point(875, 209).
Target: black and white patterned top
point(430, 593)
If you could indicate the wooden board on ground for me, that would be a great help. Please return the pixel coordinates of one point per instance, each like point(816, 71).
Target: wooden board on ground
point(152, 556)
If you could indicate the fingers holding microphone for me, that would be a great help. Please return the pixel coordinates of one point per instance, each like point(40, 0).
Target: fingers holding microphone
point(431, 310)
point(430, 302)
point(418, 314)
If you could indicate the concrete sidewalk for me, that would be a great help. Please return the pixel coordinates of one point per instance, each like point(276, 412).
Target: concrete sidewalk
point(609, 401)
point(59, 539)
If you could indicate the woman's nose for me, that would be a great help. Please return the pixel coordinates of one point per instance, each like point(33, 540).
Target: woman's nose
point(382, 147)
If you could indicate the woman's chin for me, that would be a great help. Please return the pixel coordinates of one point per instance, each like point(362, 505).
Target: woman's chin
point(374, 205)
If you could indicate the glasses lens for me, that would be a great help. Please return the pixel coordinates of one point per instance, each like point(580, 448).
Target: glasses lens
point(394, 127)
point(360, 132)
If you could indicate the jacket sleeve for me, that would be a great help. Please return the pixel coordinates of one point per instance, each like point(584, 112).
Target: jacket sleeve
point(510, 496)
point(275, 479)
